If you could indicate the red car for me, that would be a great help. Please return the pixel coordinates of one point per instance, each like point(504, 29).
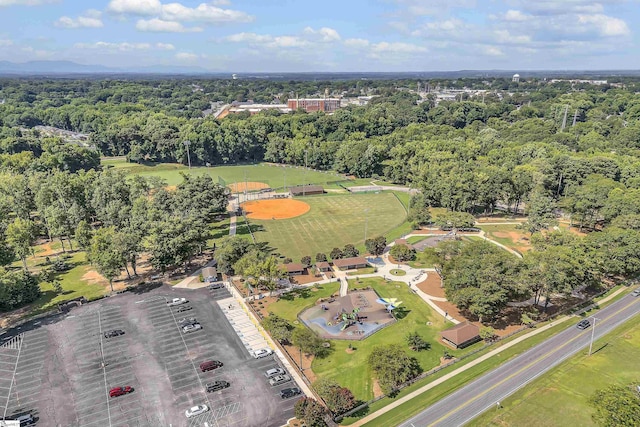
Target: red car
point(120, 391)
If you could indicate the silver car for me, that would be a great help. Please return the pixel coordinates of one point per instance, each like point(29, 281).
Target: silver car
point(273, 372)
point(191, 328)
point(196, 410)
point(279, 379)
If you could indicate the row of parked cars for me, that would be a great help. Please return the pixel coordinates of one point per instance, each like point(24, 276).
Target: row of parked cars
point(278, 376)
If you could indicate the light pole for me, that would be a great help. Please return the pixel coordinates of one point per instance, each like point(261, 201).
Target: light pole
point(187, 144)
point(593, 331)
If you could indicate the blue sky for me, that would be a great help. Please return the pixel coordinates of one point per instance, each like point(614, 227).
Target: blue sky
point(325, 35)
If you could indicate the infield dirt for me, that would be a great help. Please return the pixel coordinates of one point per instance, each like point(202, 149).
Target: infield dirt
point(275, 208)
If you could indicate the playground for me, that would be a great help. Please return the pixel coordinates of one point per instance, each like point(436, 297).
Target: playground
point(352, 317)
point(275, 208)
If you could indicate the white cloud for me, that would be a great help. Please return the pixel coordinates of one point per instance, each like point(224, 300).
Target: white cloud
point(493, 51)
point(505, 37)
point(324, 34)
point(202, 13)
point(135, 7)
point(252, 38)
point(165, 46)
point(607, 26)
point(6, 42)
point(38, 53)
point(25, 2)
point(448, 25)
point(186, 56)
point(121, 47)
point(357, 43)
point(156, 25)
point(221, 2)
point(515, 16)
point(386, 47)
point(90, 19)
point(268, 41)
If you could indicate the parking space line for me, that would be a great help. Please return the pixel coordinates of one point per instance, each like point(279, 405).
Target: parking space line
point(104, 368)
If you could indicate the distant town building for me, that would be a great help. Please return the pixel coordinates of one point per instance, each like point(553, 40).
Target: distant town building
point(515, 78)
point(310, 105)
point(251, 108)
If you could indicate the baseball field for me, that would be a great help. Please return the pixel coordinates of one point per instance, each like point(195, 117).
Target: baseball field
point(332, 221)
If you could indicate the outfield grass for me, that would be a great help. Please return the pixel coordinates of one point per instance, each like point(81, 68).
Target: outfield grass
point(274, 176)
point(333, 221)
point(351, 369)
point(559, 398)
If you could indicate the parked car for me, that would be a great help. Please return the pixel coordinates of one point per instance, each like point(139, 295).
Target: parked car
point(583, 324)
point(290, 392)
point(636, 293)
point(113, 333)
point(210, 365)
point(191, 328)
point(279, 379)
point(187, 321)
point(25, 420)
point(184, 308)
point(196, 410)
point(263, 352)
point(120, 391)
point(216, 386)
point(177, 301)
point(273, 372)
point(217, 285)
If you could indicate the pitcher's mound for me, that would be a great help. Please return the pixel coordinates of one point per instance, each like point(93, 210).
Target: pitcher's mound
point(240, 187)
point(275, 208)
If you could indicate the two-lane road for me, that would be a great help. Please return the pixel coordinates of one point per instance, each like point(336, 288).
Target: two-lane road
point(471, 400)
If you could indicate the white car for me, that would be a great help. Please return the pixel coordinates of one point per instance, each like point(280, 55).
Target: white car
point(191, 328)
point(636, 293)
point(177, 301)
point(273, 372)
point(263, 352)
point(279, 379)
point(196, 410)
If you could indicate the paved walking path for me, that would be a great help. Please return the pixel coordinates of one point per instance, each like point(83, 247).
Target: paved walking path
point(470, 365)
point(232, 223)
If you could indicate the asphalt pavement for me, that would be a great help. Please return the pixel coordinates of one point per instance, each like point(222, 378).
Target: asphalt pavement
point(487, 391)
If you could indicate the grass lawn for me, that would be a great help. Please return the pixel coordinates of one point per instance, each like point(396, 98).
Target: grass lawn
point(292, 303)
point(508, 235)
point(351, 369)
point(359, 271)
point(219, 229)
point(424, 259)
point(397, 272)
point(333, 221)
point(415, 239)
point(559, 398)
point(274, 176)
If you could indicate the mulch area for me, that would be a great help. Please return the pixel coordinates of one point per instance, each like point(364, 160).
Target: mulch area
point(303, 279)
point(294, 353)
point(431, 285)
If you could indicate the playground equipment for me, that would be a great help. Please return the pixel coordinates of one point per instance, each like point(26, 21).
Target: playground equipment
point(390, 304)
point(347, 318)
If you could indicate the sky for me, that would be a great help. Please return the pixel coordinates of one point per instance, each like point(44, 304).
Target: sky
point(325, 35)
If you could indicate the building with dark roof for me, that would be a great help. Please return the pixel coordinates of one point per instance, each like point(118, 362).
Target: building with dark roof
point(306, 190)
point(323, 266)
point(461, 335)
point(351, 263)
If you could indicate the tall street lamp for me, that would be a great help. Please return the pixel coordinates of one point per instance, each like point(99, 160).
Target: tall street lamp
point(187, 144)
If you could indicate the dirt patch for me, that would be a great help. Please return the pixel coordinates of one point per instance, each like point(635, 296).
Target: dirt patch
point(294, 353)
point(303, 279)
point(171, 187)
point(451, 310)
point(239, 187)
point(431, 285)
point(275, 209)
point(520, 241)
point(349, 350)
point(377, 390)
point(94, 278)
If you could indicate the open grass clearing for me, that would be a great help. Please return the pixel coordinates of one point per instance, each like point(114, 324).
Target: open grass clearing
point(292, 303)
point(274, 176)
point(351, 369)
point(333, 221)
point(560, 397)
point(509, 235)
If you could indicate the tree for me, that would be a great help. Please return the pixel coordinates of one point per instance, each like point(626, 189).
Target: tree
point(616, 406)
point(264, 270)
point(540, 213)
point(338, 399)
point(83, 234)
point(376, 246)
point(416, 342)
point(310, 411)
point(350, 251)
point(104, 254)
point(7, 253)
point(320, 257)
point(336, 253)
point(279, 328)
point(487, 333)
point(419, 213)
point(402, 253)
point(229, 251)
point(20, 236)
point(306, 261)
point(308, 342)
point(17, 288)
point(393, 367)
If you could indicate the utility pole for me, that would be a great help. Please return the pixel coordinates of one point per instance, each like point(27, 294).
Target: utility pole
point(593, 332)
point(187, 144)
point(564, 120)
point(304, 179)
point(575, 116)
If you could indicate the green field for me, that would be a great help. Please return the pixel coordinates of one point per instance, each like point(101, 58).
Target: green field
point(333, 221)
point(560, 397)
point(274, 176)
point(351, 369)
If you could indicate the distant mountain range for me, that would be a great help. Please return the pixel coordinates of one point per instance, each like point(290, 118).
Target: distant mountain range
point(60, 68)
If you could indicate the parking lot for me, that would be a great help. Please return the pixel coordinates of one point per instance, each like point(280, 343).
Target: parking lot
point(64, 368)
